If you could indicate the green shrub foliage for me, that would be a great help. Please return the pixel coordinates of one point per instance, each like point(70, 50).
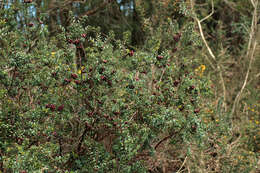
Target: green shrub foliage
point(83, 101)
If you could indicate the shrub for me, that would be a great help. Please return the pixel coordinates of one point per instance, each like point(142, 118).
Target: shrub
point(85, 101)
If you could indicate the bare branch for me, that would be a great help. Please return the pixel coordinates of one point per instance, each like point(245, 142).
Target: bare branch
point(212, 12)
point(245, 81)
point(250, 50)
point(218, 67)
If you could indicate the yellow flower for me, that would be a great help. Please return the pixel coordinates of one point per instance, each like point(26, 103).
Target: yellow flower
point(203, 67)
point(79, 71)
point(257, 122)
point(200, 70)
point(82, 67)
point(53, 54)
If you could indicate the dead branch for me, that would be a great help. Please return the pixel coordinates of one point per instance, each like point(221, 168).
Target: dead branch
point(218, 67)
point(250, 52)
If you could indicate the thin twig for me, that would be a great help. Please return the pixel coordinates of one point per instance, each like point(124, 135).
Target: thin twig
point(212, 12)
point(167, 137)
point(256, 76)
point(212, 66)
point(182, 164)
point(162, 75)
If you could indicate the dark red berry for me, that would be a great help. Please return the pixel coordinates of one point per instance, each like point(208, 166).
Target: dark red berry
point(20, 141)
point(52, 107)
point(174, 50)
point(116, 113)
point(177, 37)
point(99, 102)
point(54, 133)
point(70, 41)
point(83, 35)
point(105, 116)
point(103, 78)
point(131, 53)
point(30, 24)
point(176, 82)
point(196, 110)
point(90, 114)
point(76, 41)
point(87, 125)
point(113, 72)
point(192, 87)
point(214, 154)
point(131, 86)
point(60, 108)
point(74, 76)
point(67, 80)
point(193, 128)
point(54, 74)
point(159, 57)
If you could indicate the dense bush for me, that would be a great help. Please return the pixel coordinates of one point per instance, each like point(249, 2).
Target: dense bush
point(84, 101)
